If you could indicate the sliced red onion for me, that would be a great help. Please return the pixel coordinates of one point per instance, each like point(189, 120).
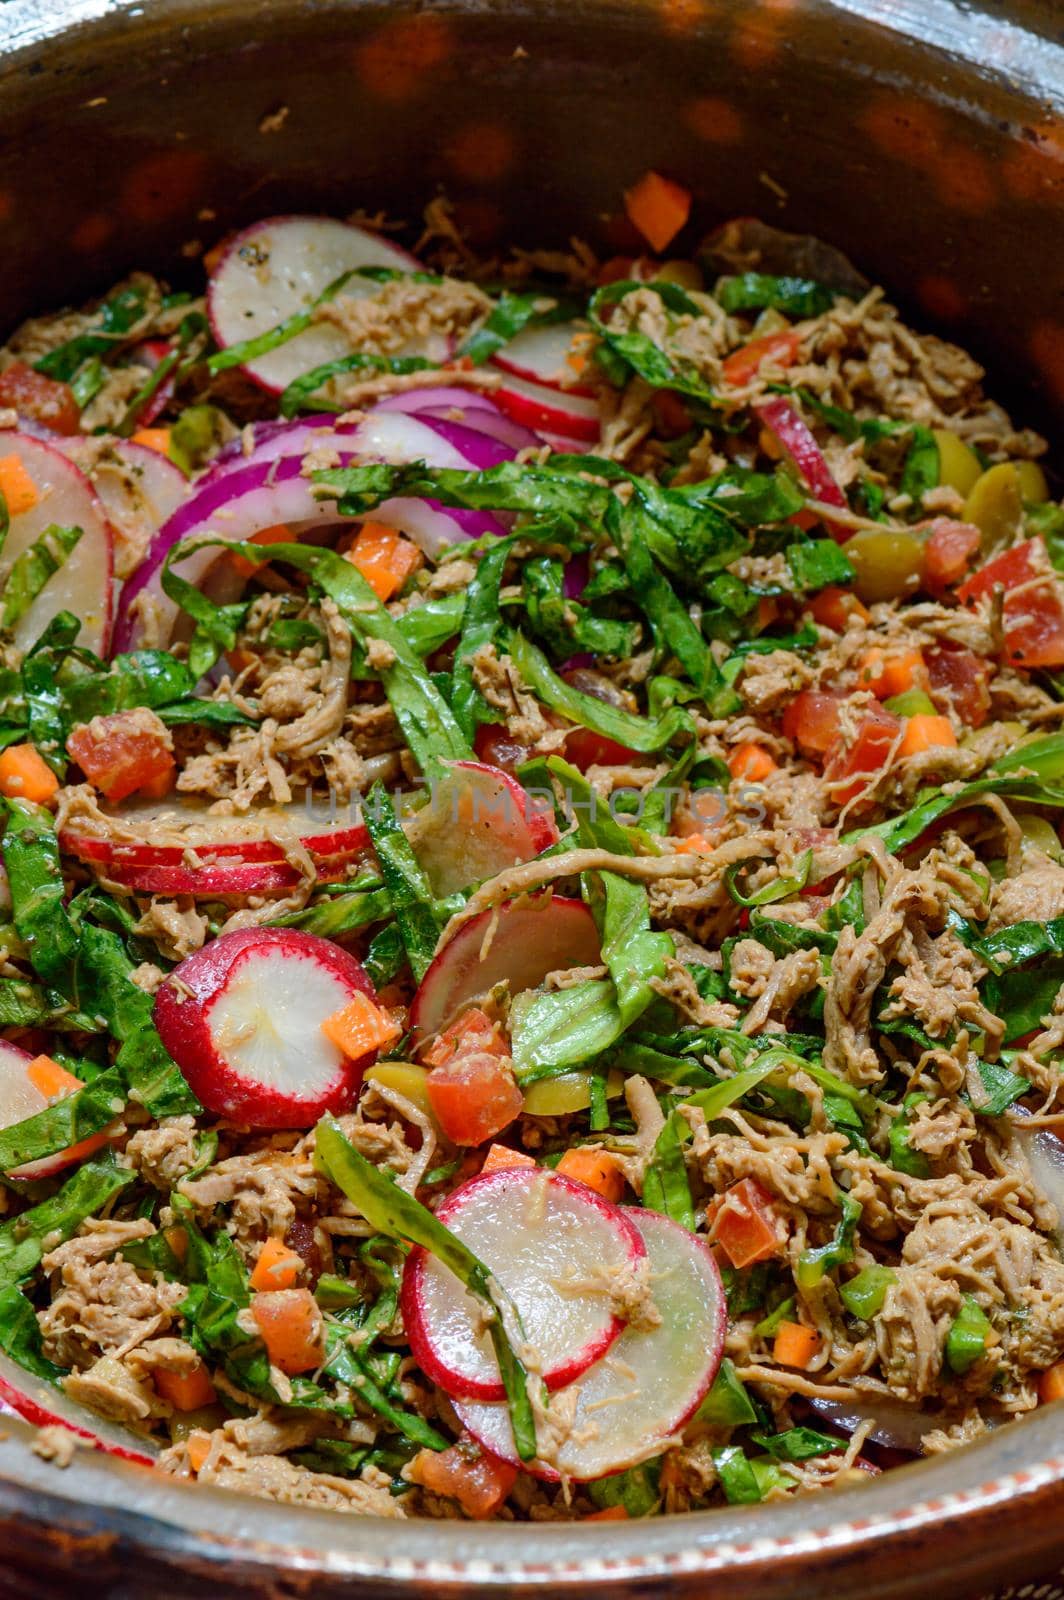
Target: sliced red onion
point(479, 448)
point(577, 572)
point(436, 397)
point(266, 441)
point(895, 1424)
point(493, 423)
point(236, 504)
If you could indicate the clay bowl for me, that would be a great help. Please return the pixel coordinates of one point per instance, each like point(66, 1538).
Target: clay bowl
point(924, 138)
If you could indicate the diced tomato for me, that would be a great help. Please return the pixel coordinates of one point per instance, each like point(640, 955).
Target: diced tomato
point(473, 1030)
point(959, 682)
point(743, 365)
point(745, 1223)
point(671, 416)
point(121, 753)
point(865, 758)
point(493, 744)
point(949, 552)
point(1034, 617)
point(43, 399)
point(811, 719)
point(474, 1096)
point(835, 608)
point(478, 1481)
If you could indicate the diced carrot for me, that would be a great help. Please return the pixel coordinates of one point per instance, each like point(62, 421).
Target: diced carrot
point(610, 1514)
point(198, 1448)
point(743, 365)
point(50, 1079)
point(291, 1326)
point(835, 608)
point(186, 1391)
point(745, 1223)
point(360, 1027)
point(658, 207)
point(752, 762)
point(384, 558)
point(277, 534)
point(157, 439)
point(888, 673)
point(177, 1239)
point(277, 1267)
point(1051, 1384)
point(500, 1156)
point(795, 1345)
point(768, 610)
point(926, 732)
point(479, 1482)
point(595, 1168)
point(24, 775)
point(16, 486)
point(697, 843)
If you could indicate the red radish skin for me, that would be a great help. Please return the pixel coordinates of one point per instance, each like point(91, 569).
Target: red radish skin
point(553, 411)
point(38, 1403)
point(233, 878)
point(542, 355)
point(20, 1098)
point(652, 1382)
point(242, 1018)
point(532, 1228)
point(478, 822)
point(530, 937)
point(83, 583)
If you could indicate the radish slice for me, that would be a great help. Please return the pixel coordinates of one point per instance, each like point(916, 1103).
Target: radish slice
point(23, 1395)
point(83, 583)
point(548, 355)
point(517, 943)
point(21, 1098)
point(278, 267)
point(176, 832)
point(537, 1232)
point(1045, 1155)
point(629, 1404)
point(557, 411)
point(238, 503)
point(479, 820)
point(149, 354)
point(138, 488)
point(242, 1018)
point(234, 878)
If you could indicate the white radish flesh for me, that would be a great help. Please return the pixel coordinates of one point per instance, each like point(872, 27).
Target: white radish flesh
point(21, 1098)
point(478, 821)
point(243, 1020)
point(42, 1405)
point(139, 490)
point(556, 411)
point(277, 268)
point(627, 1405)
point(516, 943)
point(82, 585)
point(548, 355)
point(548, 1242)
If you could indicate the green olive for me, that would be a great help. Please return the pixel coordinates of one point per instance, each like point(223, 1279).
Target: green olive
point(568, 1092)
point(685, 273)
point(1033, 485)
point(995, 504)
point(1040, 834)
point(405, 1078)
point(958, 464)
point(182, 1423)
point(888, 562)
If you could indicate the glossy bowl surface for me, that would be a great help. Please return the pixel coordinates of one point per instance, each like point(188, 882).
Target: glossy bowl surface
point(923, 137)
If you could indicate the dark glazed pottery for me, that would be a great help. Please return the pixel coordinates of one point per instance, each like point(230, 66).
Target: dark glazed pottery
point(924, 137)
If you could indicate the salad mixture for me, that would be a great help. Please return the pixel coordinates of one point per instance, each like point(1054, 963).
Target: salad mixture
point(533, 913)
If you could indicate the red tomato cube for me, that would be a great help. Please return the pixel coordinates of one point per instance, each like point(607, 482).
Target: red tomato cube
point(122, 753)
point(47, 401)
point(474, 1096)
